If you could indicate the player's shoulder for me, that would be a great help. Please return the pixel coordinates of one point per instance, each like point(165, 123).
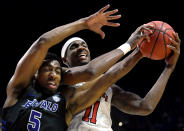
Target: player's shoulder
point(114, 86)
point(65, 70)
point(116, 89)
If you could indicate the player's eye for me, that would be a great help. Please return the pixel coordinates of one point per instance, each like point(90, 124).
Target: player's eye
point(84, 45)
point(58, 71)
point(73, 46)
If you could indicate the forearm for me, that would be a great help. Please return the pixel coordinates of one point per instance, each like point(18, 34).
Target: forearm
point(101, 84)
point(58, 34)
point(102, 63)
point(152, 98)
point(115, 73)
point(123, 67)
point(126, 65)
point(110, 77)
point(105, 62)
point(93, 69)
point(38, 50)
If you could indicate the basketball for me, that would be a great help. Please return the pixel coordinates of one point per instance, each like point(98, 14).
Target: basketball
point(157, 49)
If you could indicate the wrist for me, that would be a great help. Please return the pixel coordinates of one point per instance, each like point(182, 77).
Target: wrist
point(170, 67)
point(82, 23)
point(85, 22)
point(125, 48)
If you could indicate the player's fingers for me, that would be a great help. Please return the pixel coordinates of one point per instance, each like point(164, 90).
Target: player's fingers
point(102, 35)
point(176, 36)
point(111, 12)
point(175, 43)
point(145, 36)
point(104, 8)
point(139, 30)
point(148, 29)
point(148, 26)
point(113, 17)
point(100, 32)
point(173, 48)
point(113, 24)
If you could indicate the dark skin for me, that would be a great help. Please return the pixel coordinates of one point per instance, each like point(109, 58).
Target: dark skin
point(125, 101)
point(79, 54)
point(49, 75)
point(35, 55)
point(83, 51)
point(133, 104)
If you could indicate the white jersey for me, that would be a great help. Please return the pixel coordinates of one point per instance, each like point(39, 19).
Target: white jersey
point(94, 118)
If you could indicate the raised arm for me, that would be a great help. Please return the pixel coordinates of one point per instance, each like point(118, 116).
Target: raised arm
point(133, 104)
point(102, 63)
point(38, 50)
point(98, 86)
point(91, 91)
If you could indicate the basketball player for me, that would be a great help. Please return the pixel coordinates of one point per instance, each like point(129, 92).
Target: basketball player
point(34, 101)
point(97, 116)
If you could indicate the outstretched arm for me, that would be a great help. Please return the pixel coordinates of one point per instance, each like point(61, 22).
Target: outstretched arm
point(97, 87)
point(102, 63)
point(93, 90)
point(38, 50)
point(133, 104)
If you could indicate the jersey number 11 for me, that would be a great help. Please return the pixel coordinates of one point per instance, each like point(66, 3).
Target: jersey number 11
point(93, 111)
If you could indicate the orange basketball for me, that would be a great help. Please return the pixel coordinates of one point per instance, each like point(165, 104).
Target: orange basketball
point(157, 49)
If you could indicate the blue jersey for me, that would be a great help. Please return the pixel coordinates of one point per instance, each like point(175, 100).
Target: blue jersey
point(36, 111)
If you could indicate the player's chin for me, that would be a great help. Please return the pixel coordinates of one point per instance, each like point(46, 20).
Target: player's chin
point(84, 61)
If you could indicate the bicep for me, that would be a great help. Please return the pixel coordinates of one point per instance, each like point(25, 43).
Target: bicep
point(85, 96)
point(12, 93)
point(28, 65)
point(126, 101)
point(92, 91)
point(76, 75)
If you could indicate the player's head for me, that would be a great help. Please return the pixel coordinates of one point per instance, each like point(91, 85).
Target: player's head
point(49, 73)
point(75, 52)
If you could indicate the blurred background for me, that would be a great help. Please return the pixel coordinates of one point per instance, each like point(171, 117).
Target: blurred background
point(22, 22)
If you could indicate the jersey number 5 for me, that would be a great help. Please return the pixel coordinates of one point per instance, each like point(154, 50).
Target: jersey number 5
point(93, 111)
point(34, 121)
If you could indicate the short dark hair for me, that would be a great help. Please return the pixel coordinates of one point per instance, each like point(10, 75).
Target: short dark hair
point(48, 58)
point(51, 56)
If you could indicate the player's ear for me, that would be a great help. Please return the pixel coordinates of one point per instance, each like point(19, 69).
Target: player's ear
point(64, 61)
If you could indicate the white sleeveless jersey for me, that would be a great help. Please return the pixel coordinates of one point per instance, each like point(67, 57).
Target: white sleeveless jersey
point(94, 118)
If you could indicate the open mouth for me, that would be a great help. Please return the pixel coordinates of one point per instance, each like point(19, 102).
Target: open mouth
point(52, 84)
point(83, 55)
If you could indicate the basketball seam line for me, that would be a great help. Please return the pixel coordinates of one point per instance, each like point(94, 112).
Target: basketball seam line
point(165, 45)
point(160, 31)
point(156, 40)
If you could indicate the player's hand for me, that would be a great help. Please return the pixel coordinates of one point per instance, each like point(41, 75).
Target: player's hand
point(172, 59)
point(140, 33)
point(101, 18)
